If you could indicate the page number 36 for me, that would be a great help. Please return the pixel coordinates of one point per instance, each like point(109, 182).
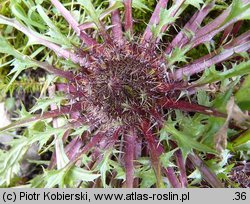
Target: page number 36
point(240, 196)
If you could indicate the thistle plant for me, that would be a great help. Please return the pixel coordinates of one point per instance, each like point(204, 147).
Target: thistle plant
point(127, 102)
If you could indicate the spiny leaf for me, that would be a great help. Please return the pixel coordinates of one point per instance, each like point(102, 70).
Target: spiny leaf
point(19, 12)
point(79, 174)
point(196, 176)
point(19, 66)
point(46, 84)
point(165, 158)
point(211, 75)
point(214, 124)
point(243, 147)
point(10, 164)
point(23, 113)
point(43, 136)
point(34, 37)
point(54, 31)
point(105, 166)
point(68, 176)
point(195, 3)
point(244, 90)
point(30, 119)
point(9, 161)
point(239, 11)
point(140, 4)
point(145, 173)
point(80, 131)
point(177, 55)
point(165, 19)
point(61, 158)
point(24, 122)
point(23, 62)
point(119, 170)
point(7, 48)
point(92, 12)
point(44, 103)
point(185, 142)
point(86, 160)
point(192, 126)
point(221, 168)
point(104, 13)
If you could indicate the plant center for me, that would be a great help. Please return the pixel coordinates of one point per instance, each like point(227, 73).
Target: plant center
point(124, 85)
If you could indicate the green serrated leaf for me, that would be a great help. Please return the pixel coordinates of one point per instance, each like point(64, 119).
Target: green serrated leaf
point(19, 66)
point(239, 11)
point(78, 174)
point(185, 142)
point(195, 3)
point(140, 4)
point(9, 161)
point(44, 103)
point(242, 94)
point(105, 166)
point(145, 173)
point(211, 75)
point(165, 19)
point(177, 55)
point(54, 31)
point(91, 11)
point(120, 172)
point(61, 158)
point(165, 159)
point(81, 130)
point(19, 12)
point(43, 136)
point(68, 176)
point(242, 139)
